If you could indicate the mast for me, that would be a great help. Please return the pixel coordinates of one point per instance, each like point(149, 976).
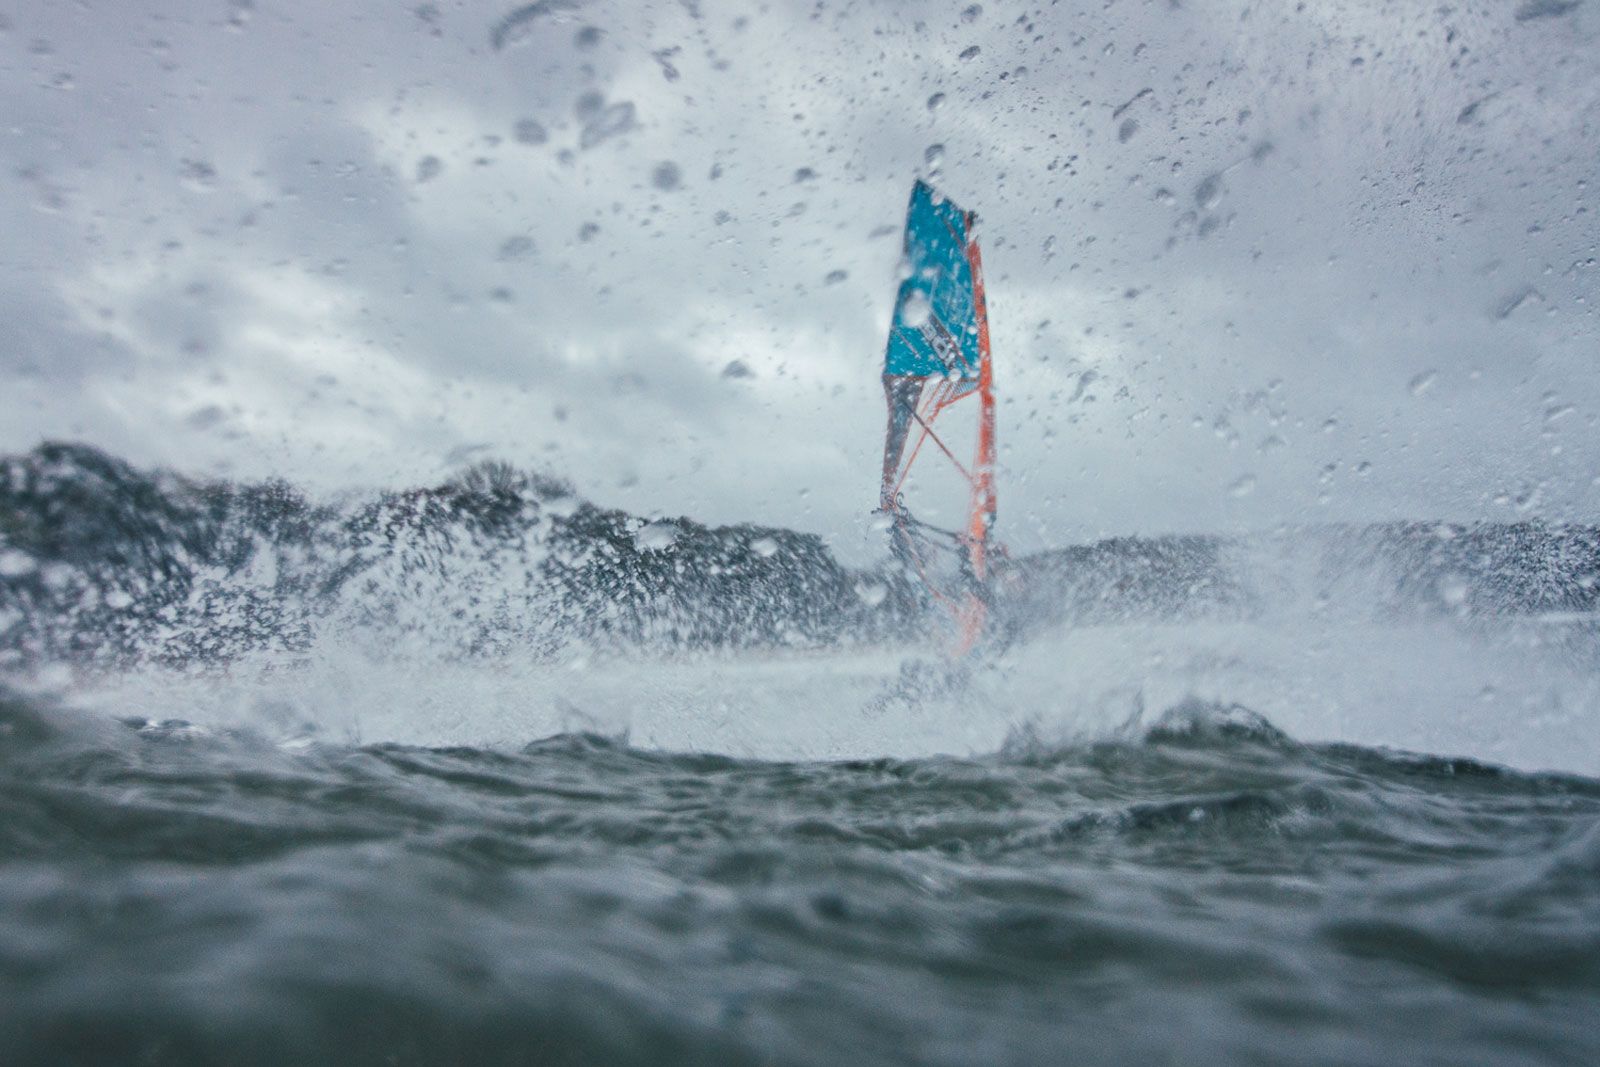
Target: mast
point(981, 514)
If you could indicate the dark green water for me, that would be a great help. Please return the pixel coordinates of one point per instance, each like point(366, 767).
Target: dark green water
point(1210, 892)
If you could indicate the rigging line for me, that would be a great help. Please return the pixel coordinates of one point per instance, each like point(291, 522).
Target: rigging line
point(927, 431)
point(959, 466)
point(955, 394)
point(922, 573)
point(936, 400)
point(905, 468)
point(912, 520)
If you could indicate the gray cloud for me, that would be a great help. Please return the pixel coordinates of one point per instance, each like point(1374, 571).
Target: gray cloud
point(218, 251)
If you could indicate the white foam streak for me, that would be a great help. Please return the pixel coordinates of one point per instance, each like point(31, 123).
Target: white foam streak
point(1513, 693)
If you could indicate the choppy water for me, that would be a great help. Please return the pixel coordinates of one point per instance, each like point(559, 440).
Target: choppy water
point(462, 776)
point(1204, 890)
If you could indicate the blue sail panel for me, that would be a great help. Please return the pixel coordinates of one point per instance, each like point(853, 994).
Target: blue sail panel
point(935, 329)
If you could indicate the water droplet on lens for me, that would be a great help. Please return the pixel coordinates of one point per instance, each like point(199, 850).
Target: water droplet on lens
point(916, 311)
point(530, 131)
point(1208, 194)
point(610, 122)
point(198, 175)
point(871, 593)
point(15, 564)
point(663, 58)
point(517, 247)
point(1243, 486)
point(428, 168)
point(666, 176)
point(1514, 303)
point(935, 102)
point(1422, 382)
point(655, 536)
point(518, 27)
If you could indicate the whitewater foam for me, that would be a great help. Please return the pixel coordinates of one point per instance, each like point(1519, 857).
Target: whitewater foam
point(1508, 693)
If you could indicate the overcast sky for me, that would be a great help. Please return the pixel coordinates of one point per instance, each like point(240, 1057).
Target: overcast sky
point(1247, 265)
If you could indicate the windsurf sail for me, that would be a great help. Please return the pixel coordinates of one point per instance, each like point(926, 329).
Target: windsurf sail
point(934, 461)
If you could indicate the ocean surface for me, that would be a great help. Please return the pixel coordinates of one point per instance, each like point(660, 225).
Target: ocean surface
point(1198, 888)
point(1317, 835)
